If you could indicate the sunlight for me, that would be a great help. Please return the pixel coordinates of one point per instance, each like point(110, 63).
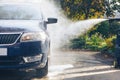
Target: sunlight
point(55, 70)
point(89, 74)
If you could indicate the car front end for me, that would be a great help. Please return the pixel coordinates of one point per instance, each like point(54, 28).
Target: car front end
point(22, 50)
point(24, 40)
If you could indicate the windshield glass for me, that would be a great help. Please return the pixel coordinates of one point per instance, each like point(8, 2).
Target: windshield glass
point(20, 12)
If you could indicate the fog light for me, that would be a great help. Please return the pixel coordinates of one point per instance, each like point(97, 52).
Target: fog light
point(32, 58)
point(42, 65)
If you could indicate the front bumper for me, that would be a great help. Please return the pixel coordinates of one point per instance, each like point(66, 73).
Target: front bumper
point(16, 52)
point(27, 66)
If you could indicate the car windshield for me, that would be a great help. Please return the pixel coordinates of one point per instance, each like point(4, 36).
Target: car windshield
point(20, 12)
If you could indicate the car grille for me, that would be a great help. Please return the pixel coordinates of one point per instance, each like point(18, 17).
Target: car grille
point(4, 61)
point(9, 38)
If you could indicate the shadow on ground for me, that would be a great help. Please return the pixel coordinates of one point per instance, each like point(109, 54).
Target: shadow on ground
point(17, 75)
point(104, 59)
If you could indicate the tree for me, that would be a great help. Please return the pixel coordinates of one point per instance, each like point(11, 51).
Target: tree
point(83, 9)
point(111, 7)
point(87, 9)
point(105, 29)
point(101, 28)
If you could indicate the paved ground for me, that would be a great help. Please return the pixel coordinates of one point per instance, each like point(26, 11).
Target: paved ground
point(72, 65)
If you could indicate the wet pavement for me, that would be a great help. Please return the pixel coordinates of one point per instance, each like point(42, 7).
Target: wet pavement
point(71, 65)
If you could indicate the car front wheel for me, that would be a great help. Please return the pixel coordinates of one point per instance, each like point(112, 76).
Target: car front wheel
point(41, 72)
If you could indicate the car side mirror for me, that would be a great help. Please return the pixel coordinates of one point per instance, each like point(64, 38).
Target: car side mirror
point(51, 20)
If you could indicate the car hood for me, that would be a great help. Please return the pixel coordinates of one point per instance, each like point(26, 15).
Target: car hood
point(20, 25)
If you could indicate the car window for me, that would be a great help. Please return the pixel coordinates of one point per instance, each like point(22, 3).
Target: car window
point(19, 12)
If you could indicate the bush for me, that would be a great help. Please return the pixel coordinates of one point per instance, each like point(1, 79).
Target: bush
point(110, 47)
point(101, 37)
point(78, 43)
point(95, 42)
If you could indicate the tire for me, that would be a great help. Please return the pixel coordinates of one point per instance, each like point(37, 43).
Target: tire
point(115, 63)
point(41, 72)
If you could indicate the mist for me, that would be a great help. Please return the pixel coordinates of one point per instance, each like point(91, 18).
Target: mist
point(65, 29)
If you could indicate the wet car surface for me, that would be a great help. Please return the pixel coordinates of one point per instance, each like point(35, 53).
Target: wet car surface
point(24, 40)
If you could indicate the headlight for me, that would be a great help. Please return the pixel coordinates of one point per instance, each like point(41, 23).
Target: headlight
point(33, 36)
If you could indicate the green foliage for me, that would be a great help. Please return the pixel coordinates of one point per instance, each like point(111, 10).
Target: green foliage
point(101, 37)
point(101, 28)
point(106, 29)
point(78, 43)
point(114, 27)
point(95, 42)
point(83, 9)
point(90, 43)
point(110, 47)
point(87, 9)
